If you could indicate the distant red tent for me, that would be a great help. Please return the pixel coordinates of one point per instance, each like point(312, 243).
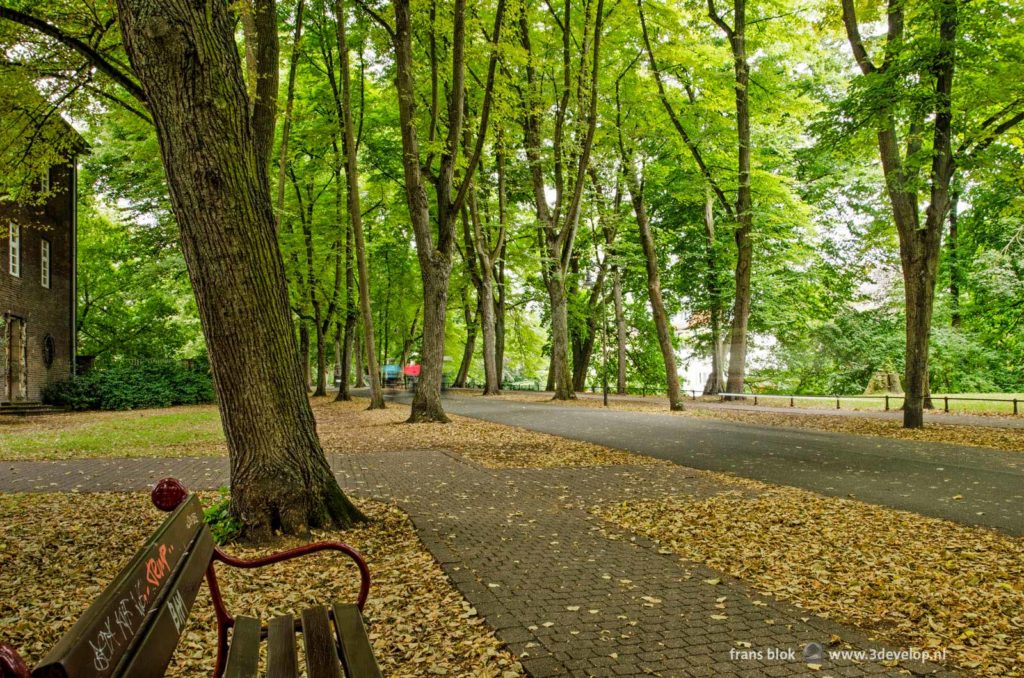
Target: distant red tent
point(412, 370)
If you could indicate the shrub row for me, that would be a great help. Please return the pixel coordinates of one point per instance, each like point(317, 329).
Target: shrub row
point(130, 387)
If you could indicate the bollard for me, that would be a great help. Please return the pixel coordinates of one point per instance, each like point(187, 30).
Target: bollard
point(837, 403)
point(755, 400)
point(791, 401)
point(946, 399)
point(1015, 406)
point(886, 402)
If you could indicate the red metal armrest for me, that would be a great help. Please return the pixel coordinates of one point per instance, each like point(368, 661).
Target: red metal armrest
point(308, 549)
point(11, 663)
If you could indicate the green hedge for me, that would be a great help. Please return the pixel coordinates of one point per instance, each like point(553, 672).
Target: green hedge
point(130, 387)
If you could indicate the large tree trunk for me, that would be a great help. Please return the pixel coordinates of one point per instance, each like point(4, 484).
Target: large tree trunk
point(919, 281)
point(620, 333)
point(188, 64)
point(561, 375)
point(355, 211)
point(583, 350)
point(492, 382)
point(427, 401)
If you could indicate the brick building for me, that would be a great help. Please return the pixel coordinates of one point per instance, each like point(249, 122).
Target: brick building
point(37, 288)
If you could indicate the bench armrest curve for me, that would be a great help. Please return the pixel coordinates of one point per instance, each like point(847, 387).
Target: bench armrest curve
point(308, 549)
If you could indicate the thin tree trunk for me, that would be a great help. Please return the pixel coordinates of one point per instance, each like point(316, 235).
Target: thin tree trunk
point(467, 351)
point(360, 350)
point(351, 315)
point(485, 290)
point(355, 211)
point(304, 352)
point(661, 322)
point(560, 223)
point(338, 359)
point(188, 65)
point(435, 256)
point(919, 246)
point(714, 383)
point(321, 355)
point(286, 125)
point(620, 333)
point(499, 318)
point(954, 260)
point(744, 202)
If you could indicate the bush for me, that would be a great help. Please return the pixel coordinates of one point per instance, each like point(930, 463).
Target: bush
point(129, 387)
point(223, 526)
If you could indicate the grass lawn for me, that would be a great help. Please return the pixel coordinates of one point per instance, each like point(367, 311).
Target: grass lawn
point(171, 432)
point(344, 428)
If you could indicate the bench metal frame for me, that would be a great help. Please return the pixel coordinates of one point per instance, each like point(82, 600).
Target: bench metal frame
point(167, 495)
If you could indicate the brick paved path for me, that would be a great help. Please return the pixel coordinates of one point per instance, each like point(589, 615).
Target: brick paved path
point(569, 594)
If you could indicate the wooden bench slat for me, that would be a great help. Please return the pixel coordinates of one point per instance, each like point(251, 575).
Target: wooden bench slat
point(99, 640)
point(356, 652)
point(281, 657)
point(244, 650)
point(155, 645)
point(321, 652)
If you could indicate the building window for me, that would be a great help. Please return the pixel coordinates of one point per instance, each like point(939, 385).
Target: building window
point(44, 263)
point(15, 250)
point(44, 181)
point(49, 350)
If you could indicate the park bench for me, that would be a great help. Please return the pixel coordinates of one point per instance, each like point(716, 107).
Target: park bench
point(133, 627)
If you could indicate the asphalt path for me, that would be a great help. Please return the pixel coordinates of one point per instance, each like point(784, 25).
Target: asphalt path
point(969, 485)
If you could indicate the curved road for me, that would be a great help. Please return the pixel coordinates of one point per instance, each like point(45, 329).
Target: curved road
point(969, 485)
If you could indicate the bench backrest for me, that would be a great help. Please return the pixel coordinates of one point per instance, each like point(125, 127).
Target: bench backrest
point(135, 624)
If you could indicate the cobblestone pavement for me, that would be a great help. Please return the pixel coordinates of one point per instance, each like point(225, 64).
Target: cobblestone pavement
point(569, 594)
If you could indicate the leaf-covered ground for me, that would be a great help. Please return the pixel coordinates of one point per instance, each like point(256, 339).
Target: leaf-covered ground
point(1009, 439)
point(57, 552)
point(919, 581)
point(350, 428)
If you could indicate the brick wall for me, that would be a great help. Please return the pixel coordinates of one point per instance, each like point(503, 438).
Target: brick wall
point(45, 311)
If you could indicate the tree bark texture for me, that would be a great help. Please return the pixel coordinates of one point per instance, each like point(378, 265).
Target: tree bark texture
point(186, 58)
